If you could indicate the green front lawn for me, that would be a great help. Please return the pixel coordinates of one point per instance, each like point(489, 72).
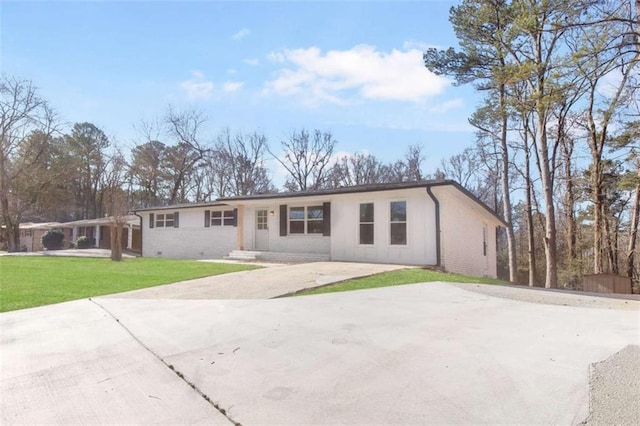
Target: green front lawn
point(28, 281)
point(400, 277)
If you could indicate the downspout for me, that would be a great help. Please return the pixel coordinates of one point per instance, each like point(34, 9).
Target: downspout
point(437, 204)
point(141, 228)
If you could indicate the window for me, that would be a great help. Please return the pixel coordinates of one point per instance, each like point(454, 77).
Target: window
point(366, 223)
point(314, 220)
point(296, 220)
point(261, 220)
point(164, 220)
point(398, 220)
point(306, 220)
point(222, 218)
point(484, 240)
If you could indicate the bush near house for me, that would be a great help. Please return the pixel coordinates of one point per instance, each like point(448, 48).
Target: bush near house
point(83, 242)
point(53, 240)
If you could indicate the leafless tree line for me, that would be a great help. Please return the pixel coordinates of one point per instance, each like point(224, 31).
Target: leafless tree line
point(49, 175)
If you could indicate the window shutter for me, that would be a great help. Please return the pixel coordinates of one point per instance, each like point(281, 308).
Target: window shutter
point(207, 218)
point(152, 219)
point(235, 217)
point(283, 220)
point(326, 219)
point(176, 220)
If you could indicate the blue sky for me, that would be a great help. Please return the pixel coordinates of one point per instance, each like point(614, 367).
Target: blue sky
point(352, 68)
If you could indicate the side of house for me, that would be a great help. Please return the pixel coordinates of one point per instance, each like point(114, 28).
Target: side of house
point(468, 243)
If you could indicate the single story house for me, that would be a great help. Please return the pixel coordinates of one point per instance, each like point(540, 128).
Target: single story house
point(98, 232)
point(428, 223)
point(31, 234)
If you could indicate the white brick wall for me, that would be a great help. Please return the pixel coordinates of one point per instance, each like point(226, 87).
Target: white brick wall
point(345, 220)
point(191, 240)
point(312, 243)
point(461, 224)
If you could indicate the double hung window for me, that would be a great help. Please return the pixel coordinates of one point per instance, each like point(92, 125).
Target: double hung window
point(165, 220)
point(306, 220)
point(222, 218)
point(366, 223)
point(398, 222)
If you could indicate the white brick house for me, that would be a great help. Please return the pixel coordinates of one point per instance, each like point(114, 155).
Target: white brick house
point(430, 223)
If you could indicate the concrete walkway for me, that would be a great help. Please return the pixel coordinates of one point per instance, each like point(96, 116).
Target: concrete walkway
point(427, 353)
point(261, 283)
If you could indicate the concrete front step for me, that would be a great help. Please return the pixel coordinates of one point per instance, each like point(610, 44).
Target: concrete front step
point(243, 255)
point(280, 257)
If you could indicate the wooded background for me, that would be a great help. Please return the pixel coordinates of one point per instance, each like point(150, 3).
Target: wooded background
point(556, 151)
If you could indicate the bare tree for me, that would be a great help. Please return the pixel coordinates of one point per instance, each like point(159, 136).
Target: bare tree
point(357, 169)
point(182, 159)
point(22, 112)
point(414, 159)
point(307, 159)
point(243, 158)
point(116, 202)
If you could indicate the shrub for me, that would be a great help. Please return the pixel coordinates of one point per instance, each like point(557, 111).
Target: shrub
point(53, 240)
point(83, 242)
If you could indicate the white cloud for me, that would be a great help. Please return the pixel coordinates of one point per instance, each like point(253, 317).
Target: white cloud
point(252, 61)
point(232, 86)
point(341, 76)
point(447, 105)
point(241, 34)
point(198, 87)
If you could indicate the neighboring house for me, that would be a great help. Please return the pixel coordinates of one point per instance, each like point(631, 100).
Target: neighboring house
point(97, 230)
point(428, 223)
point(31, 234)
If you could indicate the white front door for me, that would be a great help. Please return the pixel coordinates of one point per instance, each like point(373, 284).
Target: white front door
point(262, 229)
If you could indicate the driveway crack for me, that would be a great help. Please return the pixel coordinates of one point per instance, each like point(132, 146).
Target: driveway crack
point(169, 366)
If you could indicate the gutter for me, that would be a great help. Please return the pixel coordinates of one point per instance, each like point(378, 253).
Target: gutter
point(437, 204)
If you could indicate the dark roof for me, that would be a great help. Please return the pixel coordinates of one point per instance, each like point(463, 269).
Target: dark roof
point(342, 190)
point(336, 191)
point(180, 206)
point(368, 188)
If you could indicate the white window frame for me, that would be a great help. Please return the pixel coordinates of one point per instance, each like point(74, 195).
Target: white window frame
point(305, 219)
point(373, 226)
point(406, 223)
point(226, 218)
point(162, 220)
point(262, 222)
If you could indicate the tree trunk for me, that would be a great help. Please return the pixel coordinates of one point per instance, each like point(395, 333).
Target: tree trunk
point(115, 234)
point(569, 198)
point(551, 257)
point(633, 234)
point(597, 197)
point(530, 226)
point(506, 189)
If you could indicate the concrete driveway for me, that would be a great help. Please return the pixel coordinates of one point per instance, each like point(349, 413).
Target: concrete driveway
point(265, 283)
point(426, 353)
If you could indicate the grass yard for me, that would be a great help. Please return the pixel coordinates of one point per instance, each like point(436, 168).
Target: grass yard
point(400, 277)
point(28, 281)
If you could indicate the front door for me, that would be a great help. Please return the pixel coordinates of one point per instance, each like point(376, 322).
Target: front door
point(262, 229)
